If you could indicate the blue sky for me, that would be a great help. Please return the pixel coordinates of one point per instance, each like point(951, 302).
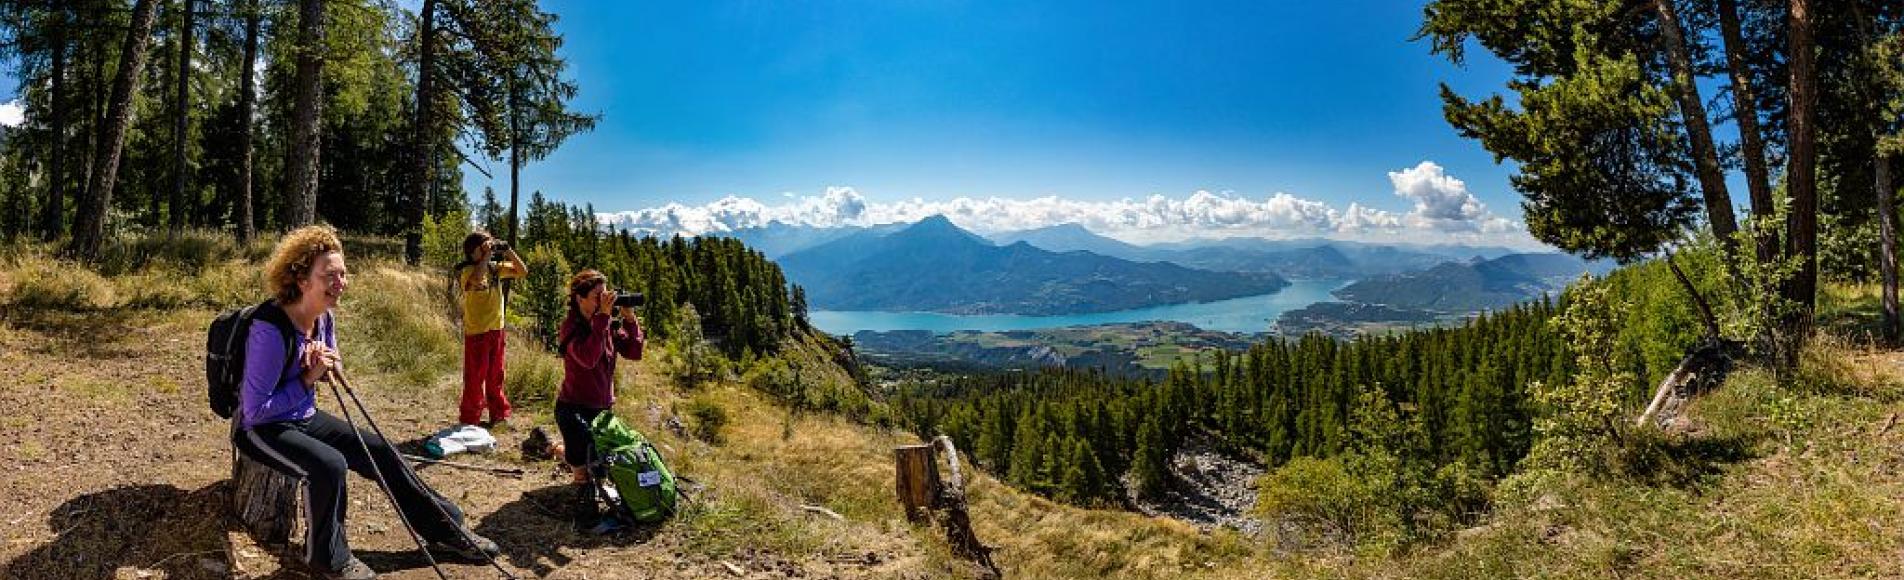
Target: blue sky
point(1296, 116)
point(1086, 101)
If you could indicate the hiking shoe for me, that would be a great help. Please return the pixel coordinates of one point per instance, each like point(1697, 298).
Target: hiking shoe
point(469, 547)
point(355, 569)
point(585, 511)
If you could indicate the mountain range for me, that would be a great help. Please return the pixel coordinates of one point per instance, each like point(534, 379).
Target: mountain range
point(933, 265)
point(1303, 258)
point(1473, 285)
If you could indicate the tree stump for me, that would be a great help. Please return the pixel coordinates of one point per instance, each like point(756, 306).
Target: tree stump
point(917, 481)
point(264, 501)
point(924, 495)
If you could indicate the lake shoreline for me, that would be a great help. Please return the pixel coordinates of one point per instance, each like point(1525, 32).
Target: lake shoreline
point(1247, 315)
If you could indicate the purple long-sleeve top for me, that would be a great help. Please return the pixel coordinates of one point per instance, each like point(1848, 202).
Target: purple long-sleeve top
point(588, 362)
point(273, 392)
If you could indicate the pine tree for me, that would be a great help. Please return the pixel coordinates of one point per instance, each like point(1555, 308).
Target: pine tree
point(994, 441)
point(1150, 468)
point(490, 212)
point(1083, 479)
point(1027, 453)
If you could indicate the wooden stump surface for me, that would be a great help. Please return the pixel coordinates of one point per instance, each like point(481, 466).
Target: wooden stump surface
point(264, 502)
point(917, 480)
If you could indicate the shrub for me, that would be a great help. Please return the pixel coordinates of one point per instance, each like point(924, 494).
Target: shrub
point(443, 238)
point(696, 360)
point(542, 296)
point(1327, 501)
point(706, 419)
point(1584, 413)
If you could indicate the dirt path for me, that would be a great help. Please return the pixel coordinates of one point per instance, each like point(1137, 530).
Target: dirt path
point(114, 467)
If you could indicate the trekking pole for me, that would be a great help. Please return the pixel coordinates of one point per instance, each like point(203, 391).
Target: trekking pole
point(510, 471)
point(338, 377)
point(378, 471)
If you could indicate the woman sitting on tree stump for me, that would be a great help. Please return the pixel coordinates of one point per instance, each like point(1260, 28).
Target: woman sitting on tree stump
point(280, 426)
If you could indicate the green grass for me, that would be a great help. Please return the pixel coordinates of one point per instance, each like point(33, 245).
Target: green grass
point(1793, 477)
point(396, 323)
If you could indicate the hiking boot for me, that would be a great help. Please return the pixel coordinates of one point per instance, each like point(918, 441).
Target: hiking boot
point(585, 511)
point(355, 569)
point(469, 547)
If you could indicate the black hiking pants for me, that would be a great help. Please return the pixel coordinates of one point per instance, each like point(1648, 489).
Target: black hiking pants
point(318, 450)
point(578, 444)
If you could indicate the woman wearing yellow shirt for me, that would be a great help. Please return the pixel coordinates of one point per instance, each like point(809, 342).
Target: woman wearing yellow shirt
point(481, 281)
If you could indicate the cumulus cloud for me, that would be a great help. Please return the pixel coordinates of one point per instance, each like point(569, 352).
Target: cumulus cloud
point(12, 113)
point(1443, 203)
point(1361, 218)
point(1443, 210)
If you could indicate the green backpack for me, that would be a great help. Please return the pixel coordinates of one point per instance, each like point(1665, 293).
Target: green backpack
point(647, 487)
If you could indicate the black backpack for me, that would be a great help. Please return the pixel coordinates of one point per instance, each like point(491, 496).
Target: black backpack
point(225, 352)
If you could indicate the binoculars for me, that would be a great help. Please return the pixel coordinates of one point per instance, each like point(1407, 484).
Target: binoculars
point(624, 299)
point(498, 251)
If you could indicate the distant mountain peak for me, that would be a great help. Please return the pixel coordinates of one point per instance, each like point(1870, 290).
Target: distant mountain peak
point(939, 226)
point(1068, 228)
point(937, 220)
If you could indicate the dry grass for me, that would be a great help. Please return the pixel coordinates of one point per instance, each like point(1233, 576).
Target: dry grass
point(392, 319)
point(1798, 480)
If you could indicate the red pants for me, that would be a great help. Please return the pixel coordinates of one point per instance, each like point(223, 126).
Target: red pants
point(482, 379)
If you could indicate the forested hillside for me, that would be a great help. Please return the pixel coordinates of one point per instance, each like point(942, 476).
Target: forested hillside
point(1471, 286)
point(251, 116)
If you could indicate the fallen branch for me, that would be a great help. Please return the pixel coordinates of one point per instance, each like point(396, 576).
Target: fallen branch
point(823, 511)
point(958, 523)
point(1888, 423)
point(1702, 369)
point(509, 471)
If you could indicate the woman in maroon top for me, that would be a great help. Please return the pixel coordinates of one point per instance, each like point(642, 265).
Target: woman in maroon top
point(589, 340)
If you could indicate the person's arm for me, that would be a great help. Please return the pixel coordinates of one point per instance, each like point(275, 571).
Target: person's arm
point(265, 364)
point(629, 338)
point(514, 267)
point(588, 351)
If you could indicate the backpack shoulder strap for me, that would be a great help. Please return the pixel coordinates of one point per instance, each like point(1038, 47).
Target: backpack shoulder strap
point(270, 312)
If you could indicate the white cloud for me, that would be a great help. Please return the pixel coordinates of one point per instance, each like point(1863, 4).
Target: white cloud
point(1443, 203)
point(1360, 218)
point(12, 113)
point(1444, 211)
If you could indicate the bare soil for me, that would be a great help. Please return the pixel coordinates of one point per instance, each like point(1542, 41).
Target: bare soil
point(112, 466)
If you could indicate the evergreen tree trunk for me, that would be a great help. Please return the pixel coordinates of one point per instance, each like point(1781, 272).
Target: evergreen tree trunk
point(1751, 142)
point(247, 100)
point(89, 228)
point(1887, 240)
point(1705, 155)
point(425, 138)
point(1801, 178)
point(180, 121)
point(97, 135)
point(300, 169)
point(56, 166)
point(515, 156)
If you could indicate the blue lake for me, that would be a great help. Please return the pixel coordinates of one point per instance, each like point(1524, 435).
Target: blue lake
point(1249, 314)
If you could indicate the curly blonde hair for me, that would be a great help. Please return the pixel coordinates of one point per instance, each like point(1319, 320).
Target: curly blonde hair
point(292, 259)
